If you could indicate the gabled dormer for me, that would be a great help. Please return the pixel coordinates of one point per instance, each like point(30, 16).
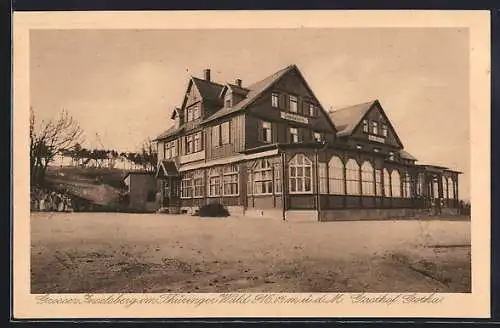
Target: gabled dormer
point(232, 94)
point(178, 117)
point(201, 99)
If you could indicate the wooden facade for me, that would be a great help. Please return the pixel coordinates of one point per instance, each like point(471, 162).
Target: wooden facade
point(272, 146)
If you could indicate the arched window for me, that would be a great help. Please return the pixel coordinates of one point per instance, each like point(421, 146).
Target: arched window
point(262, 178)
point(352, 177)
point(407, 186)
point(420, 184)
point(300, 174)
point(435, 187)
point(387, 184)
point(396, 183)
point(336, 176)
point(378, 182)
point(451, 188)
point(367, 179)
point(445, 187)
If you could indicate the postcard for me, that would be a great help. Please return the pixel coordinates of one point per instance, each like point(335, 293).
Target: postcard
point(251, 164)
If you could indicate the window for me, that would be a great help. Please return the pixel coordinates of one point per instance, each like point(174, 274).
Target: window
point(391, 156)
point(266, 132)
point(312, 110)
point(445, 187)
point(395, 183)
point(323, 179)
point(198, 146)
point(213, 182)
point(189, 144)
point(384, 130)
point(451, 188)
point(293, 104)
point(336, 176)
point(374, 127)
point(277, 178)
point(174, 148)
point(199, 183)
point(170, 150)
point(230, 180)
point(317, 137)
point(300, 174)
point(189, 114)
point(407, 186)
point(367, 179)
point(166, 150)
point(216, 136)
point(365, 126)
point(435, 187)
point(187, 185)
point(352, 177)
point(420, 184)
point(387, 184)
point(249, 181)
point(294, 135)
point(225, 138)
point(378, 182)
point(275, 100)
point(196, 112)
point(262, 178)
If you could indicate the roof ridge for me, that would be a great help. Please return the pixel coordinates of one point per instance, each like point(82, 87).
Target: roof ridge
point(351, 106)
point(203, 80)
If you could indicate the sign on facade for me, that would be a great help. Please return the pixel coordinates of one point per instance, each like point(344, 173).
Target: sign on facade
point(376, 139)
point(295, 118)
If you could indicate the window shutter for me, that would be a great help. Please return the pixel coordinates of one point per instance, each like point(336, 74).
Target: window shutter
point(284, 102)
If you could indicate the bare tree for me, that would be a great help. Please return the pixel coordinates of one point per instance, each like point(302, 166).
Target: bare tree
point(51, 138)
point(148, 156)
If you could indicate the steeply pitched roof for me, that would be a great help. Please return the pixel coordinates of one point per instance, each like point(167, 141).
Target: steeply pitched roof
point(256, 90)
point(169, 132)
point(346, 119)
point(167, 169)
point(208, 90)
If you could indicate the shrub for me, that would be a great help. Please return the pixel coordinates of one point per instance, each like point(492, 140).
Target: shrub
point(213, 210)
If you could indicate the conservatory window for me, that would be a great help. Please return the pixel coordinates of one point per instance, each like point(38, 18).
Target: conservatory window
point(352, 177)
point(336, 176)
point(300, 174)
point(367, 179)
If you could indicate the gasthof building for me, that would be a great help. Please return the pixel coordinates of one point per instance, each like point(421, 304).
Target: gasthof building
point(270, 149)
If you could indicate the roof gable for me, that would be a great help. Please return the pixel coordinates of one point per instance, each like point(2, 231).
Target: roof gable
point(348, 120)
point(257, 89)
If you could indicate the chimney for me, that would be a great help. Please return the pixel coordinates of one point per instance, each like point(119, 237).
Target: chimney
point(206, 74)
point(238, 82)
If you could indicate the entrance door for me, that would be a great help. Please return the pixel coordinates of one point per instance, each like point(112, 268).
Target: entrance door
point(171, 191)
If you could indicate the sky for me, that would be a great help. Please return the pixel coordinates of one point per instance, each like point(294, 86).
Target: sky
point(124, 84)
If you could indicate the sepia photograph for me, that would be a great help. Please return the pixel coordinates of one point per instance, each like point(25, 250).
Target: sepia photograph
point(251, 160)
point(184, 161)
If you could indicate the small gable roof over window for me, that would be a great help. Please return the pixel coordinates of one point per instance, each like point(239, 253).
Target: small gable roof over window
point(167, 169)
